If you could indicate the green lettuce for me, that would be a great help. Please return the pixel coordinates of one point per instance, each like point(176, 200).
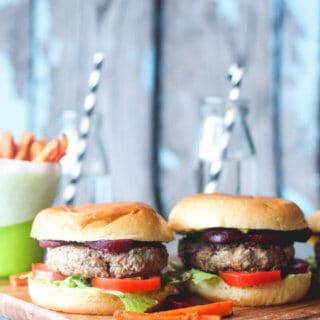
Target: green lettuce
point(314, 268)
point(312, 264)
point(198, 276)
point(132, 301)
point(72, 282)
point(181, 277)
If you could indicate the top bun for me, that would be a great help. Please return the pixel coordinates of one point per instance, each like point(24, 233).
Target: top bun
point(314, 222)
point(217, 210)
point(108, 221)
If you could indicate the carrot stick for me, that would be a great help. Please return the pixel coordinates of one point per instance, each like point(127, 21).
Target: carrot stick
point(49, 153)
point(7, 146)
point(23, 151)
point(211, 311)
point(209, 317)
point(19, 279)
point(223, 308)
point(36, 148)
point(129, 315)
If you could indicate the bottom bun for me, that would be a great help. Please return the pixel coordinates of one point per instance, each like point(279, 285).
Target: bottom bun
point(292, 288)
point(77, 300)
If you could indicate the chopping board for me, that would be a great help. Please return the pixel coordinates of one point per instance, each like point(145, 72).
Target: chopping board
point(16, 304)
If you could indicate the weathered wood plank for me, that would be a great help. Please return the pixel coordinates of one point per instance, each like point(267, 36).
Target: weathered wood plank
point(198, 48)
point(14, 61)
point(299, 103)
point(122, 29)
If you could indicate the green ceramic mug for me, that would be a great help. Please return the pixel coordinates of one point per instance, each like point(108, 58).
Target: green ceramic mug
point(25, 189)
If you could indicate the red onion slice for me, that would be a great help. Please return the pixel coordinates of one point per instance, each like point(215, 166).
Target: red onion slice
point(299, 266)
point(110, 246)
point(51, 243)
point(268, 237)
point(177, 303)
point(223, 236)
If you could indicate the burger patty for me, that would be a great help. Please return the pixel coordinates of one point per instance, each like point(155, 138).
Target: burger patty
point(234, 257)
point(85, 262)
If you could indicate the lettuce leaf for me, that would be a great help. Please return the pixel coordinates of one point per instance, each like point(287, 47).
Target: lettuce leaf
point(180, 278)
point(312, 263)
point(132, 301)
point(198, 276)
point(135, 302)
point(72, 282)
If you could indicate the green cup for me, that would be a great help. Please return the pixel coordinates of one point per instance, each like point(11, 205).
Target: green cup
point(25, 189)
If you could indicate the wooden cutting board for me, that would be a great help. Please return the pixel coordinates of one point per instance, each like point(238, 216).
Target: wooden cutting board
point(16, 304)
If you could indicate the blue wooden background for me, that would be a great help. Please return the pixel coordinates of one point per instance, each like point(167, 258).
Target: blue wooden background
point(163, 56)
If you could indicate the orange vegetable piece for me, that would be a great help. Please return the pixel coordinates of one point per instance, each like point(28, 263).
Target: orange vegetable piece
point(23, 152)
point(19, 279)
point(36, 148)
point(223, 308)
point(209, 317)
point(49, 153)
point(211, 311)
point(129, 315)
point(7, 146)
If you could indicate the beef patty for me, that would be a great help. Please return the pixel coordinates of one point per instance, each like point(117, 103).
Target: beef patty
point(234, 257)
point(145, 260)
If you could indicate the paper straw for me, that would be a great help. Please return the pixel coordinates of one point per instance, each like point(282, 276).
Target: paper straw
point(235, 75)
point(70, 190)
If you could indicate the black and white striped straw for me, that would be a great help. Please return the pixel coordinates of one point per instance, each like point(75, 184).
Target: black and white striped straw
point(70, 190)
point(235, 75)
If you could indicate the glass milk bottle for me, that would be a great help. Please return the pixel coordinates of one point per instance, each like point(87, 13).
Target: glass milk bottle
point(95, 185)
point(238, 174)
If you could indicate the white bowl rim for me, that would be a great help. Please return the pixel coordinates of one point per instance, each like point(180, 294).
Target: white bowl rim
point(23, 166)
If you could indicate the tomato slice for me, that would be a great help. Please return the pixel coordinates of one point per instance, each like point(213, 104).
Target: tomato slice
point(19, 279)
point(127, 284)
point(41, 271)
point(246, 279)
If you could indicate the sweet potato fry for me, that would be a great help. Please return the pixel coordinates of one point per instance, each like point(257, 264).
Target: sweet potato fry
point(36, 148)
point(49, 153)
point(63, 147)
point(7, 146)
point(23, 152)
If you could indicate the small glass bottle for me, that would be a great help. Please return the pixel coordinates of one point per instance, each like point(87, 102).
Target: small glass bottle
point(95, 184)
point(238, 174)
point(68, 124)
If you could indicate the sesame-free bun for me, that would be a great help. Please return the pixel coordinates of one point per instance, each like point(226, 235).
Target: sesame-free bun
point(314, 222)
point(77, 300)
point(290, 289)
point(108, 221)
point(218, 210)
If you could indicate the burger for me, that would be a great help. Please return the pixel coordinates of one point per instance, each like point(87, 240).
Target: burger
point(241, 248)
point(314, 224)
point(99, 258)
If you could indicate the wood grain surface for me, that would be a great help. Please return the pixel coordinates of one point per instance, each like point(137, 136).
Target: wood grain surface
point(16, 304)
